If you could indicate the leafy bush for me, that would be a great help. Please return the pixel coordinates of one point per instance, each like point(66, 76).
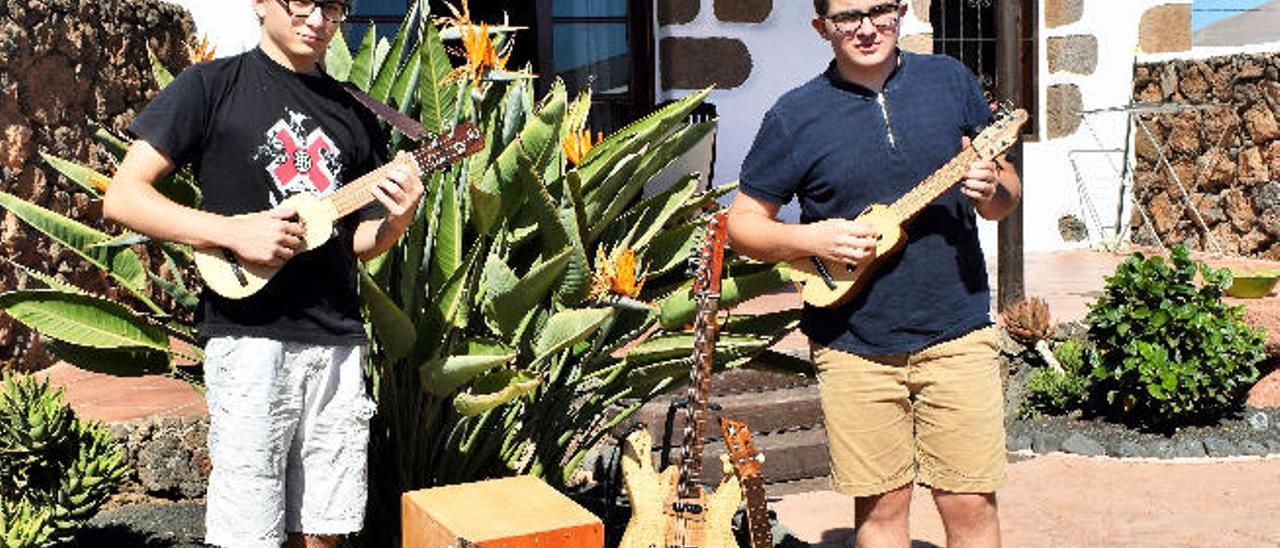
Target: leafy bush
point(55, 471)
point(1171, 352)
point(1054, 391)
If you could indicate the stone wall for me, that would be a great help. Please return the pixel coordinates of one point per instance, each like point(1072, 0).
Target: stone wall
point(64, 64)
point(169, 457)
point(1226, 154)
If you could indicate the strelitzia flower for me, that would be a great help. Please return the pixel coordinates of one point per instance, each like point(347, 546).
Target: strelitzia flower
point(617, 279)
point(479, 49)
point(199, 52)
point(577, 144)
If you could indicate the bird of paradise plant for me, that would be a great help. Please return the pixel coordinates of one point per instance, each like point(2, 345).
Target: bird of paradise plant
point(488, 356)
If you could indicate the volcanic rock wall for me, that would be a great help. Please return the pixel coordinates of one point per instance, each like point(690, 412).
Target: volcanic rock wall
point(63, 65)
point(1223, 144)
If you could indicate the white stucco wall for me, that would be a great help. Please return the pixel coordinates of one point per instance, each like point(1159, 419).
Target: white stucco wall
point(1051, 187)
point(785, 53)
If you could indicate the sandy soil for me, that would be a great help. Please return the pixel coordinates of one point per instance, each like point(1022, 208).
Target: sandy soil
point(1065, 500)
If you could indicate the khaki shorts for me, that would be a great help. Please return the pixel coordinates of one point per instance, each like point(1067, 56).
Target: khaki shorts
point(935, 416)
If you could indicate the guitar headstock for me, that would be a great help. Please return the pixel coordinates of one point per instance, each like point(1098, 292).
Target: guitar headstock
point(1000, 135)
point(710, 257)
point(439, 151)
point(742, 452)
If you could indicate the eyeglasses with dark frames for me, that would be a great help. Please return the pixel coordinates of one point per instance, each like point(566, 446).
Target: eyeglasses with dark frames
point(333, 12)
point(883, 17)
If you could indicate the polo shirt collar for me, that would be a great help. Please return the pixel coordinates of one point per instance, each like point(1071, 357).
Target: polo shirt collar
point(837, 80)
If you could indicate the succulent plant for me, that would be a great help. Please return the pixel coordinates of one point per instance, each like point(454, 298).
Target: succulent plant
point(1027, 321)
point(55, 470)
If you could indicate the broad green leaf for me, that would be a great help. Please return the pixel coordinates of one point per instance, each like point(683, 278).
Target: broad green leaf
point(179, 187)
point(492, 390)
point(114, 145)
point(490, 347)
point(120, 263)
point(437, 98)
point(568, 327)
point(389, 64)
point(362, 65)
point(540, 206)
point(515, 112)
point(651, 216)
point(446, 232)
point(679, 308)
point(614, 201)
point(635, 137)
point(406, 83)
point(443, 376)
point(494, 196)
point(677, 345)
point(576, 284)
point(337, 58)
point(86, 178)
point(509, 307)
point(161, 74)
point(671, 249)
point(82, 319)
point(119, 362)
point(391, 326)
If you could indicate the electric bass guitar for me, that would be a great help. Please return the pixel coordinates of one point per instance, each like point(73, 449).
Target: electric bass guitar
point(223, 272)
point(827, 285)
point(671, 509)
point(747, 464)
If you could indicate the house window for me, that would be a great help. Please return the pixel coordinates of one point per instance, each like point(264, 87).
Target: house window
point(966, 30)
point(606, 44)
point(387, 15)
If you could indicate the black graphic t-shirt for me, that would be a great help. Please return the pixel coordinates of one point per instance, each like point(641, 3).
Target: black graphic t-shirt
point(256, 133)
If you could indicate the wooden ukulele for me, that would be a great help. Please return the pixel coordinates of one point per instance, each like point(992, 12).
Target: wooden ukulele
point(747, 464)
point(223, 272)
point(833, 285)
point(670, 509)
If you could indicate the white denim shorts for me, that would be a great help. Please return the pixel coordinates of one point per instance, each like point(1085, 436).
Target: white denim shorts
point(288, 439)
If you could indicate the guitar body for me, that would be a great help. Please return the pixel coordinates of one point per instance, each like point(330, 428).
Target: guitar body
point(655, 523)
point(848, 282)
point(223, 272)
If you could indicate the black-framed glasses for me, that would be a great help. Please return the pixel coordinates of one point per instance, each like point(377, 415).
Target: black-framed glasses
point(333, 12)
point(882, 16)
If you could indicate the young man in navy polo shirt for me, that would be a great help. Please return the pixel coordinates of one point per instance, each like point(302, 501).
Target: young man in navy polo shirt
point(910, 387)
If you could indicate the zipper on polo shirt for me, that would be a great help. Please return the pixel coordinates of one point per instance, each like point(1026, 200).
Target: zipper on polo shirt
point(888, 128)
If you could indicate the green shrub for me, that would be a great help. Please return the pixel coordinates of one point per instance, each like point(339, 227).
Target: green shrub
point(1171, 352)
point(55, 471)
point(1076, 356)
point(1053, 392)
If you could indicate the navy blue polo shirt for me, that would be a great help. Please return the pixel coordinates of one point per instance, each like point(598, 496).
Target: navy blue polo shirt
point(838, 147)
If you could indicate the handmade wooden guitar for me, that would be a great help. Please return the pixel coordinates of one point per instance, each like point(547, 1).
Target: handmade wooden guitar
point(227, 276)
point(833, 285)
point(671, 509)
point(747, 464)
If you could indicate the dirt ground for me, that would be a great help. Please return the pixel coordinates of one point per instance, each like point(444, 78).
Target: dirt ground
point(1063, 500)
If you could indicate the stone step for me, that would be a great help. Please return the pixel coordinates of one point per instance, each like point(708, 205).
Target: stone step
point(764, 412)
point(789, 456)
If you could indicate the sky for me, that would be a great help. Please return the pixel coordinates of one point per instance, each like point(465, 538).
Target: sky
point(1204, 12)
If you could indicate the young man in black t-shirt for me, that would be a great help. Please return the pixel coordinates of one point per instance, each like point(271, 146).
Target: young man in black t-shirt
point(287, 403)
